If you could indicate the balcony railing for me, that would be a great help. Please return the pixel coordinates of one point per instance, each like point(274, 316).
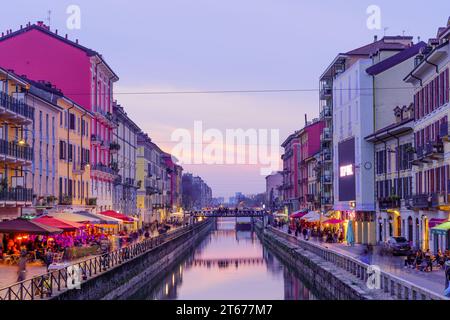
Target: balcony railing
point(16, 194)
point(114, 146)
point(103, 168)
point(326, 112)
point(14, 105)
point(434, 150)
point(443, 131)
point(424, 201)
point(95, 139)
point(13, 149)
point(325, 92)
point(389, 203)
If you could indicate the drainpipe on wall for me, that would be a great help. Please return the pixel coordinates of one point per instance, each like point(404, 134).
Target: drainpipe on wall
point(68, 141)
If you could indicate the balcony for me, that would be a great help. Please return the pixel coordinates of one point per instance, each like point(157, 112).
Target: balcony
point(91, 201)
point(326, 135)
point(15, 110)
point(102, 171)
point(114, 147)
point(326, 112)
point(424, 201)
point(326, 92)
point(149, 191)
point(105, 117)
point(420, 158)
point(65, 200)
point(434, 150)
point(327, 178)
point(16, 195)
point(443, 131)
point(389, 203)
point(96, 140)
point(15, 153)
point(327, 201)
point(327, 156)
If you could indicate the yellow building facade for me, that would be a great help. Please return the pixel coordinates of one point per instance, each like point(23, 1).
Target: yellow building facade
point(74, 154)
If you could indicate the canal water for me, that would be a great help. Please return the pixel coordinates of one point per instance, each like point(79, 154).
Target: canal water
point(228, 264)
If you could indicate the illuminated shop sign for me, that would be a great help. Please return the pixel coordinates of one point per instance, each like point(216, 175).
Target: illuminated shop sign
point(346, 164)
point(346, 170)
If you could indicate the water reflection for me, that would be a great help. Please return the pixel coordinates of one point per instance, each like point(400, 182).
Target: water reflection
point(228, 264)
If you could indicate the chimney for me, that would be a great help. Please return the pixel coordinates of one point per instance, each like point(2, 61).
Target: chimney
point(375, 38)
point(40, 23)
point(76, 41)
point(66, 36)
point(56, 31)
point(306, 120)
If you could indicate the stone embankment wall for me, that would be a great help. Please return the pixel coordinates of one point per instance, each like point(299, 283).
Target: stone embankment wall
point(124, 280)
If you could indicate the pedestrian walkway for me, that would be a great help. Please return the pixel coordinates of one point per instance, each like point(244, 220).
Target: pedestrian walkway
point(433, 281)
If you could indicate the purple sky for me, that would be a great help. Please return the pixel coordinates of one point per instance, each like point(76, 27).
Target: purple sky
point(178, 45)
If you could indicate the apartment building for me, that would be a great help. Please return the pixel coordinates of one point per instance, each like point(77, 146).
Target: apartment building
point(123, 151)
point(40, 53)
point(16, 153)
point(393, 141)
point(431, 171)
point(353, 120)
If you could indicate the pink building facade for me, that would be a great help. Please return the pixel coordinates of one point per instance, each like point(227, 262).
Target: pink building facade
point(83, 75)
point(291, 173)
point(309, 138)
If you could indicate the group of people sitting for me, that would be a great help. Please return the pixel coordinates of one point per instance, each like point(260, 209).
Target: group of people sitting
point(424, 261)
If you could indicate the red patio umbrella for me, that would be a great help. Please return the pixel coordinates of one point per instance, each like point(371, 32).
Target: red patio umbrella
point(27, 226)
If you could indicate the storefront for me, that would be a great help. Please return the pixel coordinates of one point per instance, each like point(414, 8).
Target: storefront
point(441, 236)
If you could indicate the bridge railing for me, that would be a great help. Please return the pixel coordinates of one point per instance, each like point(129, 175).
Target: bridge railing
point(389, 283)
point(51, 283)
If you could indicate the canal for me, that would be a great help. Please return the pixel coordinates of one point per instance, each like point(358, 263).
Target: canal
point(228, 264)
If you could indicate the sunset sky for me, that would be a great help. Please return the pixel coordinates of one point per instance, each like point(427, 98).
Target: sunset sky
point(202, 45)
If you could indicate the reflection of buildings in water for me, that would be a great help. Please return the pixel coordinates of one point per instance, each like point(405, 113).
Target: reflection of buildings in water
point(227, 262)
point(294, 289)
point(166, 288)
point(272, 263)
point(245, 236)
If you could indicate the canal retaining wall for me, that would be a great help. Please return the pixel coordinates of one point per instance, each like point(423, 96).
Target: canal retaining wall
point(125, 279)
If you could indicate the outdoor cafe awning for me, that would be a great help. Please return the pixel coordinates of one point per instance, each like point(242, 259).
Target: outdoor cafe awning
point(101, 219)
point(442, 229)
point(298, 214)
point(60, 224)
point(116, 215)
point(74, 217)
point(311, 216)
point(27, 226)
point(433, 222)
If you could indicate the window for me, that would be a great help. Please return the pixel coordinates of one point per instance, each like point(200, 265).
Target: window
point(62, 150)
point(72, 121)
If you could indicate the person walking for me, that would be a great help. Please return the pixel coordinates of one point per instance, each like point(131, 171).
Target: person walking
point(305, 233)
point(22, 272)
point(308, 234)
